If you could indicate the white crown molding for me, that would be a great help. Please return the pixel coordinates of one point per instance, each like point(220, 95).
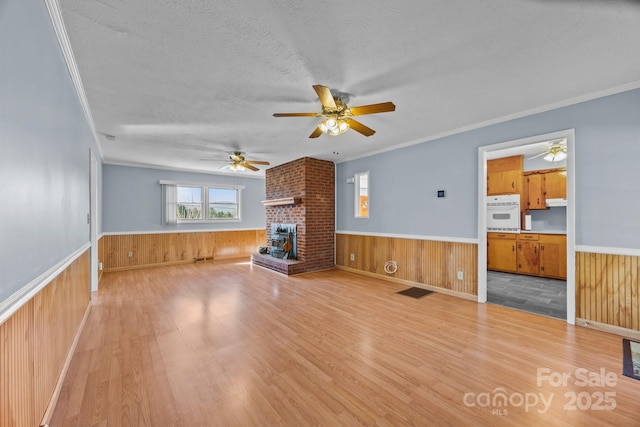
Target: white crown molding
point(542, 109)
point(177, 169)
point(63, 39)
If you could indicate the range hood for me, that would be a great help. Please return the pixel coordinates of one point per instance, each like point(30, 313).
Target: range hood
point(552, 203)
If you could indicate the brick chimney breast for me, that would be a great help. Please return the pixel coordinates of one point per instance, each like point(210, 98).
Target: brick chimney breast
point(313, 182)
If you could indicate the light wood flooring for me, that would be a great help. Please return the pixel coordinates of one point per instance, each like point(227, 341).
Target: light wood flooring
point(230, 344)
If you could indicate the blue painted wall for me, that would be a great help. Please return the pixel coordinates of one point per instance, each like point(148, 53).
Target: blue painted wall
point(404, 181)
point(133, 199)
point(44, 149)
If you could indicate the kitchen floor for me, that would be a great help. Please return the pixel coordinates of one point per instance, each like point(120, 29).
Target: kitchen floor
point(547, 297)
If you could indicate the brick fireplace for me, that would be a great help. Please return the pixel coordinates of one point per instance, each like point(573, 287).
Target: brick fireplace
point(301, 193)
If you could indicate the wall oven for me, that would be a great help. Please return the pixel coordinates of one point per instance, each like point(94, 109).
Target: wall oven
point(503, 213)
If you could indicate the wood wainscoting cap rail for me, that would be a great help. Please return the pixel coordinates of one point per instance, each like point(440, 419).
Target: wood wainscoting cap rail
point(282, 202)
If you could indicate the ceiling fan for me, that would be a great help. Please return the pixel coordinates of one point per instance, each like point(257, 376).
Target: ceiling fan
point(237, 162)
point(556, 152)
point(338, 114)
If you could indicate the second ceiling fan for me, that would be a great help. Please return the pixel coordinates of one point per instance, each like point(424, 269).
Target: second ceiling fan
point(338, 114)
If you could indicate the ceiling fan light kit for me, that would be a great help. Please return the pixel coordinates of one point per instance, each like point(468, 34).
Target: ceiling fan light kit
point(556, 154)
point(338, 114)
point(334, 126)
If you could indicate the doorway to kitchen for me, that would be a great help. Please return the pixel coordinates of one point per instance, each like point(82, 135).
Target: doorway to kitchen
point(541, 290)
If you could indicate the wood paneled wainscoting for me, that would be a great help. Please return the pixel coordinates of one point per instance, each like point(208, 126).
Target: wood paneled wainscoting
point(128, 251)
point(100, 257)
point(429, 264)
point(607, 294)
point(37, 342)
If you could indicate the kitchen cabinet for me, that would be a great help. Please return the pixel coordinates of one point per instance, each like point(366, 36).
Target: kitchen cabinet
point(501, 252)
point(504, 176)
point(555, 185)
point(544, 184)
point(533, 254)
point(528, 254)
point(553, 256)
point(534, 191)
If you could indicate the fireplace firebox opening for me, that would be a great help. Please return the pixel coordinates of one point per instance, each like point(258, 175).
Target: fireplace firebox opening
point(283, 242)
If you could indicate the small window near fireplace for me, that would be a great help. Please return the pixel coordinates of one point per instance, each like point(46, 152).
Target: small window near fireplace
point(361, 181)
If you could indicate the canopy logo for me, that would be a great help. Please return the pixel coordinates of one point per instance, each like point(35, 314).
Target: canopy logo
point(500, 400)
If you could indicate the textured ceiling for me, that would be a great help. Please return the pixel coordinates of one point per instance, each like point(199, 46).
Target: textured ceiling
point(173, 82)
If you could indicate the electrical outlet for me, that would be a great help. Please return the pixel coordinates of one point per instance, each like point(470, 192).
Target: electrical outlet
point(130, 254)
point(100, 266)
point(460, 275)
point(352, 257)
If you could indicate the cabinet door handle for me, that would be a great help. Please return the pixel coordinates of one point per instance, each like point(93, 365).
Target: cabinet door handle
point(513, 184)
point(513, 248)
point(538, 200)
point(535, 250)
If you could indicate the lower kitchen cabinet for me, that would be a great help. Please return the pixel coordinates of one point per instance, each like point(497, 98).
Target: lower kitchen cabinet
point(501, 252)
point(553, 256)
point(533, 254)
point(528, 254)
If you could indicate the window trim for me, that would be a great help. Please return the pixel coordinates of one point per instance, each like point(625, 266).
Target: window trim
point(356, 198)
point(205, 201)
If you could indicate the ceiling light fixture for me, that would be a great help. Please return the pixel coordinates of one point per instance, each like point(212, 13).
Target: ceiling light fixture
point(334, 125)
point(556, 153)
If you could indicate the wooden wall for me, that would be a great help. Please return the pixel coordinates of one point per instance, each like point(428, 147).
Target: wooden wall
point(100, 257)
point(431, 263)
point(173, 248)
point(36, 341)
point(607, 289)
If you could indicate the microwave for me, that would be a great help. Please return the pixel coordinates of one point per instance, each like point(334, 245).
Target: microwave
point(503, 213)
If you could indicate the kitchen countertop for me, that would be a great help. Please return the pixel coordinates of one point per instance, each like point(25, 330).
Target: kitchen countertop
point(543, 231)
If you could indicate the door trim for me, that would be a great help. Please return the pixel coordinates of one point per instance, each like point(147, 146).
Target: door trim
point(93, 216)
point(508, 148)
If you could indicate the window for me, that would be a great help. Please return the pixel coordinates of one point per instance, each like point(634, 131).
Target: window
point(189, 202)
point(361, 181)
point(200, 203)
point(223, 203)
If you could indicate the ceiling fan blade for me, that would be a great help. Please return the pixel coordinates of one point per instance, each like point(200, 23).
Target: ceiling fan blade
point(324, 93)
point(248, 166)
point(383, 107)
point(537, 155)
point(359, 127)
point(257, 162)
point(296, 115)
point(316, 133)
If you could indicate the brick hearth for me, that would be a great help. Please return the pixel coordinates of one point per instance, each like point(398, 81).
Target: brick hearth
point(312, 182)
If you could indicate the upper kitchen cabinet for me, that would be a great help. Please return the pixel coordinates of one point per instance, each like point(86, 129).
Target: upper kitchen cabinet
point(534, 192)
point(504, 175)
point(555, 184)
point(540, 185)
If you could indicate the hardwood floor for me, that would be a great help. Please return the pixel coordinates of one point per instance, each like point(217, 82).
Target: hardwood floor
point(230, 344)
